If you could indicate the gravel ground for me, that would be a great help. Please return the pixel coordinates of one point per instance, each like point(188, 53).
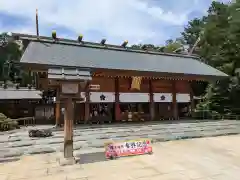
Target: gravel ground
point(91, 139)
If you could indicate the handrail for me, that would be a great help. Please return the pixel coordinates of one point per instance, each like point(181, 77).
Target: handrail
point(207, 114)
point(27, 121)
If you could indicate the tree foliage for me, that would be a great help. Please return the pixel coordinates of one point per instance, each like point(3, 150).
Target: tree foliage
point(169, 47)
point(219, 34)
point(216, 38)
point(8, 54)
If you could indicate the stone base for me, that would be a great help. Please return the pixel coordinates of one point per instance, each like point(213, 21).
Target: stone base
point(67, 161)
point(68, 148)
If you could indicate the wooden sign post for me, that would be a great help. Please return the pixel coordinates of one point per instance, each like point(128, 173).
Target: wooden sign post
point(70, 91)
point(71, 82)
point(68, 129)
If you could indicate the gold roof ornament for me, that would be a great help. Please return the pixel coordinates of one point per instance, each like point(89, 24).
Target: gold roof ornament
point(80, 38)
point(103, 41)
point(124, 44)
point(54, 34)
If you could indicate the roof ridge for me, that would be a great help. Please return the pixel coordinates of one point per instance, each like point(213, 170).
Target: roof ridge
point(63, 41)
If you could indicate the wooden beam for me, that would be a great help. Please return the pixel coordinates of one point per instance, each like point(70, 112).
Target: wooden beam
point(147, 75)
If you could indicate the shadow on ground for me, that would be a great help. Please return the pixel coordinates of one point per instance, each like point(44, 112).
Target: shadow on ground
point(91, 158)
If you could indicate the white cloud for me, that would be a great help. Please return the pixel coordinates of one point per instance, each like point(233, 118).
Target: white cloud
point(129, 19)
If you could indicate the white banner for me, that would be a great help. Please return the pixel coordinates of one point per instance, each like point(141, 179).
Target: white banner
point(183, 98)
point(162, 97)
point(134, 97)
point(98, 97)
point(101, 97)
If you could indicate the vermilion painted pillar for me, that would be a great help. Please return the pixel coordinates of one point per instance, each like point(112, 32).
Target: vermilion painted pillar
point(174, 100)
point(58, 109)
point(87, 103)
point(151, 101)
point(117, 106)
point(192, 105)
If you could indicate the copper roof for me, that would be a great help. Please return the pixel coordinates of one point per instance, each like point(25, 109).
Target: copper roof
point(17, 94)
point(70, 53)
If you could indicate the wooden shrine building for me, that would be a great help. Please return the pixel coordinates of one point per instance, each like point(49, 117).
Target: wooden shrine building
point(121, 84)
point(18, 102)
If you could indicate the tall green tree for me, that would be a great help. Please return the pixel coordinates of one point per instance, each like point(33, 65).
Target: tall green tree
point(169, 47)
point(9, 53)
point(219, 45)
point(193, 31)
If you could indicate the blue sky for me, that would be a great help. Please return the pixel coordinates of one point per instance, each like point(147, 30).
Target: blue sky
point(138, 21)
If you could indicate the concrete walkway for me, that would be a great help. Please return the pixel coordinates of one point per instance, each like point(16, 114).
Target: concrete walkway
point(14, 144)
point(215, 158)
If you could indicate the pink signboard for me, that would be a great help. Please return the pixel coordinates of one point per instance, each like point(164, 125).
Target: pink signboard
point(128, 148)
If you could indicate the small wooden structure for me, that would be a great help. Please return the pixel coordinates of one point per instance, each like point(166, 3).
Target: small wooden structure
point(115, 82)
point(19, 102)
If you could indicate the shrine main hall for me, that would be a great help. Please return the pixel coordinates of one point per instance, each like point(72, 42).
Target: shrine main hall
point(118, 83)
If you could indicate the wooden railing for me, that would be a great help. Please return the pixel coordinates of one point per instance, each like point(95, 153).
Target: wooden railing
point(27, 121)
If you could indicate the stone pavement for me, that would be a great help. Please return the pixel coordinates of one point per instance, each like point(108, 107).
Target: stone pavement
point(16, 143)
point(214, 158)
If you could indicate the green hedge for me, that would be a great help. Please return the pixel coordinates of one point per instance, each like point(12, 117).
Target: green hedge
point(7, 123)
